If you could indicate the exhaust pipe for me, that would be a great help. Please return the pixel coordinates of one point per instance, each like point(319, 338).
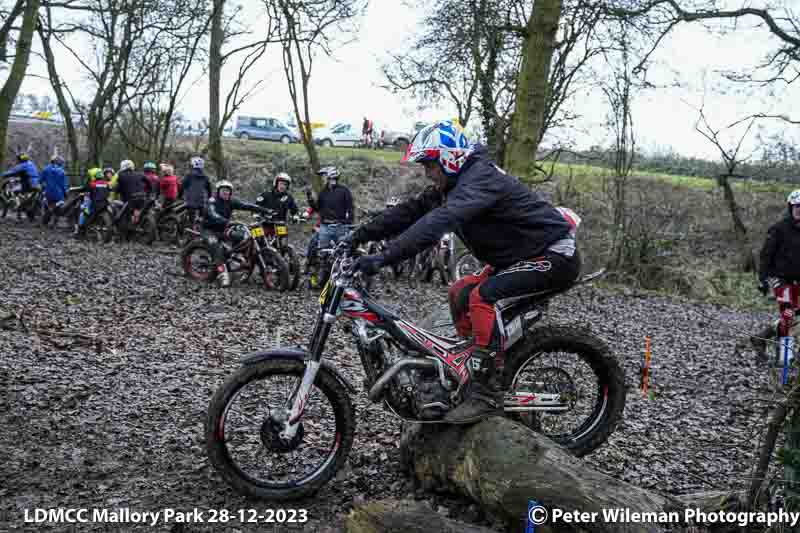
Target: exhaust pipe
point(403, 364)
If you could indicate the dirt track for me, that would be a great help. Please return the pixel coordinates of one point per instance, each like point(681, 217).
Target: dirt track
point(113, 418)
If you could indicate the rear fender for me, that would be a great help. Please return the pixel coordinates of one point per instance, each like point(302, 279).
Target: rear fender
point(297, 355)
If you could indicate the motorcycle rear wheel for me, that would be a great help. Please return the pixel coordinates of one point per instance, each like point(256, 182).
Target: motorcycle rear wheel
point(543, 357)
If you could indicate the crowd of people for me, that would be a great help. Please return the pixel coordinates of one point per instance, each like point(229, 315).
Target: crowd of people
point(213, 207)
point(527, 244)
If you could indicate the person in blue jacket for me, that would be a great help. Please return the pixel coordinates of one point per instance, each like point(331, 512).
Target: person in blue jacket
point(26, 170)
point(55, 184)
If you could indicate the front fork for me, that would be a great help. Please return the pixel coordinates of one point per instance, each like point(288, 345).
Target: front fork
point(785, 338)
point(325, 319)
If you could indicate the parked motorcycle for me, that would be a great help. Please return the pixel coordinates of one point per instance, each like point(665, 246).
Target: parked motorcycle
point(142, 231)
point(12, 197)
point(170, 224)
point(241, 260)
point(281, 426)
point(276, 232)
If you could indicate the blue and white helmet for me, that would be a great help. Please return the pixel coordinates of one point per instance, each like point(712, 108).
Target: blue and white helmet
point(793, 198)
point(330, 173)
point(442, 141)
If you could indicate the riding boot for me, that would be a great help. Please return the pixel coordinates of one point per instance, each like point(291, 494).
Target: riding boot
point(224, 276)
point(484, 395)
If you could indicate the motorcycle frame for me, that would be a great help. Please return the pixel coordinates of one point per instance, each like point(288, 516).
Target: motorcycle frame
point(447, 355)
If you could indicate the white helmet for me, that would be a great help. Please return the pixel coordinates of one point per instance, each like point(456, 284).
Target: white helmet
point(393, 201)
point(197, 162)
point(127, 164)
point(224, 183)
point(794, 198)
point(283, 176)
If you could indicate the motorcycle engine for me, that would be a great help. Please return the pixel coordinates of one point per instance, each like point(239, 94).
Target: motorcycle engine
point(431, 400)
point(412, 394)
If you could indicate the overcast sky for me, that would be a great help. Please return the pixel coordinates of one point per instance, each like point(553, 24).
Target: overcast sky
point(347, 87)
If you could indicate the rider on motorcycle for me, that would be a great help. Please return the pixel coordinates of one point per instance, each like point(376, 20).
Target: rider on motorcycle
point(98, 191)
point(26, 171)
point(217, 227)
point(335, 207)
point(168, 185)
point(196, 189)
point(55, 183)
point(150, 172)
point(279, 199)
point(527, 244)
point(779, 262)
point(131, 187)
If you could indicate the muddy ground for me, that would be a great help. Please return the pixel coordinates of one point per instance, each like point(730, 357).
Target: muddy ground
point(108, 359)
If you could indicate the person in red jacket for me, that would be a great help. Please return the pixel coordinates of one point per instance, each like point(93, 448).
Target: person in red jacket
point(168, 184)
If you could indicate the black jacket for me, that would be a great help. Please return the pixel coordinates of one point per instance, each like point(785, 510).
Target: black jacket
point(130, 185)
point(497, 217)
point(780, 256)
point(219, 212)
point(196, 189)
point(334, 204)
point(282, 202)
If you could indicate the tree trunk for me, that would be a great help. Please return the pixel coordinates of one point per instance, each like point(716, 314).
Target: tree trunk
point(791, 468)
point(533, 87)
point(10, 89)
point(755, 494)
point(392, 516)
point(214, 76)
point(61, 99)
point(94, 140)
point(747, 263)
point(502, 465)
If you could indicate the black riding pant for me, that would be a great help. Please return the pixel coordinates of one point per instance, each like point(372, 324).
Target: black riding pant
point(473, 298)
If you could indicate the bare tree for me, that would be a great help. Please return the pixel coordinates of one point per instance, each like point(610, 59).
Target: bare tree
point(779, 18)
point(151, 119)
point(11, 87)
point(732, 157)
point(497, 34)
point(618, 91)
point(5, 30)
point(45, 35)
point(449, 74)
point(124, 35)
point(226, 29)
point(560, 38)
point(304, 30)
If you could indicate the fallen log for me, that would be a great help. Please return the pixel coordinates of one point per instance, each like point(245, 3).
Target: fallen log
point(404, 516)
point(502, 465)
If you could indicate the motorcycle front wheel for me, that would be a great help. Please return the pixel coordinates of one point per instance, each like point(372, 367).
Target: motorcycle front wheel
point(198, 261)
point(291, 260)
point(274, 270)
point(244, 421)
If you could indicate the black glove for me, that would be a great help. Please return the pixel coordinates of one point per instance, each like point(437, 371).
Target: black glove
point(762, 287)
point(369, 264)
